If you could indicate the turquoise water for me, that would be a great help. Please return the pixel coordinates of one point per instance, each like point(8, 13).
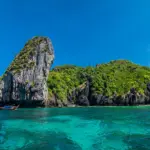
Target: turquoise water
point(97, 128)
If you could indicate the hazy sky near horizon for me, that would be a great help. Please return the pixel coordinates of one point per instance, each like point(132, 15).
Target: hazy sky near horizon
point(83, 32)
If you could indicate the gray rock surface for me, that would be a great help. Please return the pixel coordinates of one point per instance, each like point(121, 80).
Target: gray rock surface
point(83, 96)
point(1, 88)
point(26, 78)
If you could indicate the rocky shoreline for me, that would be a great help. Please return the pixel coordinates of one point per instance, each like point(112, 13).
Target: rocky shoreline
point(131, 99)
point(84, 97)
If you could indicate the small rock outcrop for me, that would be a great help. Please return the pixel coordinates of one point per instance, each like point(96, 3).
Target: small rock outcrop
point(79, 96)
point(26, 78)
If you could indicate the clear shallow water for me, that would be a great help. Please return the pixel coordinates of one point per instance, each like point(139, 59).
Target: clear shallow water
point(97, 128)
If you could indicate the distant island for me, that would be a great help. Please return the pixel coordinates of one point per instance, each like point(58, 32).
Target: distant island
point(29, 82)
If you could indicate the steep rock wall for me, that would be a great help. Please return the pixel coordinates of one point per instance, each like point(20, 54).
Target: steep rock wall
point(26, 78)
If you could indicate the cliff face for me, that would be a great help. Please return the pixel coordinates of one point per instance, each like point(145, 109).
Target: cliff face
point(26, 78)
point(133, 97)
point(1, 88)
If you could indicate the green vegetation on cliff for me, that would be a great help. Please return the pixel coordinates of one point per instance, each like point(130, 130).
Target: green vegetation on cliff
point(114, 77)
point(24, 59)
point(63, 80)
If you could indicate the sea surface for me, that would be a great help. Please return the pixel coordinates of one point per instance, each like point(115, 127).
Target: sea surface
point(91, 128)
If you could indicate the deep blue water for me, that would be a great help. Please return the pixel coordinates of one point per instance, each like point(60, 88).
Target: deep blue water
point(97, 128)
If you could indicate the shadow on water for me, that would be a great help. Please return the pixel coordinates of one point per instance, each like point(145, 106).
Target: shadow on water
point(55, 141)
point(137, 142)
point(43, 141)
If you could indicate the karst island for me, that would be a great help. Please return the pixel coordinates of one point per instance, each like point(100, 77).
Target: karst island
point(30, 81)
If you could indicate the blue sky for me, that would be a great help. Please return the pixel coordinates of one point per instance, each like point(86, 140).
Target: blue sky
point(83, 32)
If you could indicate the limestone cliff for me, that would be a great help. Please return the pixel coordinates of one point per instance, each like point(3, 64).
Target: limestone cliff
point(26, 77)
point(29, 82)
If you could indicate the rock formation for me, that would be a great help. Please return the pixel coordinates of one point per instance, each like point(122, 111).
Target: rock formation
point(28, 81)
point(26, 77)
point(83, 96)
